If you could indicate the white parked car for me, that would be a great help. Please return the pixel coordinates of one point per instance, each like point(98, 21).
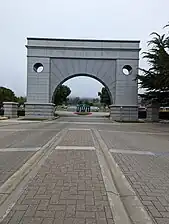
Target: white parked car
point(94, 109)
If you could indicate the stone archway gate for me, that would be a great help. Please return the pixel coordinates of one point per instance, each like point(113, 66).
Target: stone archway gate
point(50, 62)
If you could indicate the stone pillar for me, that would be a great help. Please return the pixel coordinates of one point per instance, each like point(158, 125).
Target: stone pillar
point(10, 109)
point(153, 112)
point(123, 113)
point(39, 110)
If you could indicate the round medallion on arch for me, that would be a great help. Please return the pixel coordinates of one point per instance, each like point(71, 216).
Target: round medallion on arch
point(127, 70)
point(38, 67)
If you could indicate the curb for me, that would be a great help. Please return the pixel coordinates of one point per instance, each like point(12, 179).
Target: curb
point(17, 177)
point(119, 213)
point(130, 203)
point(14, 186)
point(7, 124)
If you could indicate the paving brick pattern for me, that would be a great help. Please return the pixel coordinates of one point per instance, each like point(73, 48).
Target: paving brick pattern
point(10, 162)
point(77, 138)
point(149, 177)
point(68, 189)
point(147, 174)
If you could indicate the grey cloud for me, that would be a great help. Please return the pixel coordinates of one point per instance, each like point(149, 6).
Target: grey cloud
point(108, 19)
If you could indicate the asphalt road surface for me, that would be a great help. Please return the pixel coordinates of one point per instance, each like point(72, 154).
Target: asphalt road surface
point(140, 150)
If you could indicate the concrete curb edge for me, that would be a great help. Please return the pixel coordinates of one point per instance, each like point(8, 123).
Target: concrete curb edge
point(130, 200)
point(119, 213)
point(14, 186)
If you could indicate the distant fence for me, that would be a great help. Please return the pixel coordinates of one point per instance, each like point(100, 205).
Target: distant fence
point(162, 115)
point(142, 114)
point(20, 113)
point(1, 112)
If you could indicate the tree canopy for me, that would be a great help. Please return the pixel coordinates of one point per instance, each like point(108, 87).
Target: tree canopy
point(74, 100)
point(60, 95)
point(21, 100)
point(104, 97)
point(7, 95)
point(156, 79)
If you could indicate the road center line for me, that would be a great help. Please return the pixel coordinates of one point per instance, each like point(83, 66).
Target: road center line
point(75, 148)
point(29, 129)
point(88, 123)
point(19, 149)
point(135, 132)
point(126, 151)
point(79, 129)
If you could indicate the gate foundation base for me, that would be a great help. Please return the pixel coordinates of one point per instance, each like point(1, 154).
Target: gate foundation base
point(153, 113)
point(124, 113)
point(10, 109)
point(39, 110)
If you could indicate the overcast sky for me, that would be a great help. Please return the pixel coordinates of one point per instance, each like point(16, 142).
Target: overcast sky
point(108, 19)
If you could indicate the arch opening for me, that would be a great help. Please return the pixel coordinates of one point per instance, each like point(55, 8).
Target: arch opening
point(83, 85)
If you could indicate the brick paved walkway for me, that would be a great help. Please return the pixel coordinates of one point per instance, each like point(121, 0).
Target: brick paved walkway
point(77, 138)
point(68, 189)
point(147, 174)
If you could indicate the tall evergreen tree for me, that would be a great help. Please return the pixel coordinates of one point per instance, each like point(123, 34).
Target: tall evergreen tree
point(156, 79)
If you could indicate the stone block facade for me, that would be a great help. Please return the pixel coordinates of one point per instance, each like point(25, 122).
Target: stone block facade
point(10, 109)
point(153, 113)
point(39, 110)
point(114, 63)
point(124, 113)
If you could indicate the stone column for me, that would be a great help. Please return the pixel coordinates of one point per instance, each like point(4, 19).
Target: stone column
point(153, 112)
point(123, 113)
point(10, 109)
point(39, 110)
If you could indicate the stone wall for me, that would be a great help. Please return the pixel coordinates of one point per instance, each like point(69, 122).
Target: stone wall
point(10, 109)
point(39, 110)
point(124, 113)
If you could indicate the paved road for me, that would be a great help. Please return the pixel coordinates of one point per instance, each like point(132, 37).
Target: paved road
point(69, 187)
point(72, 114)
point(19, 141)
